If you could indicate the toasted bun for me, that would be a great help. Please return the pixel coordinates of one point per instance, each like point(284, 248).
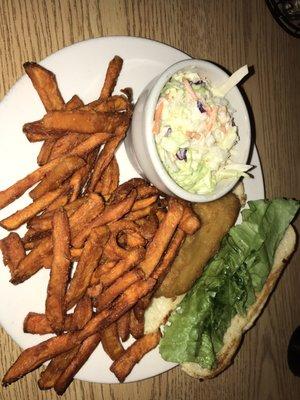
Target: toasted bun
point(239, 325)
point(239, 191)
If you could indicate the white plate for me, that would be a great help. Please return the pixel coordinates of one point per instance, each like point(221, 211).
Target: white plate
point(80, 69)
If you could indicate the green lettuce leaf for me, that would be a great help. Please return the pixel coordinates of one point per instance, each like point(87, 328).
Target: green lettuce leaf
point(195, 330)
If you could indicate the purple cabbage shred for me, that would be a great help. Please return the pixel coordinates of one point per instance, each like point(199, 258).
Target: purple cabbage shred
point(200, 106)
point(181, 154)
point(200, 82)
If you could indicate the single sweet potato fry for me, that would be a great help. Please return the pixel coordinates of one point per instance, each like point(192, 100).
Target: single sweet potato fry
point(66, 143)
point(124, 365)
point(108, 296)
point(78, 180)
point(111, 343)
point(109, 180)
point(162, 237)
point(82, 355)
point(139, 214)
point(113, 103)
point(88, 261)
point(141, 306)
point(33, 357)
point(161, 214)
point(190, 222)
point(32, 235)
point(142, 203)
point(36, 132)
point(112, 74)
point(12, 250)
point(38, 228)
point(123, 326)
point(136, 326)
point(90, 144)
point(146, 191)
point(45, 84)
point(60, 201)
point(44, 154)
point(107, 154)
point(55, 368)
point(59, 274)
point(133, 258)
point(18, 218)
point(82, 121)
point(83, 312)
point(38, 323)
point(163, 267)
point(74, 102)
point(33, 261)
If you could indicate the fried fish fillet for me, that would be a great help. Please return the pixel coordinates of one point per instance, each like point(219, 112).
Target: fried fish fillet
point(216, 217)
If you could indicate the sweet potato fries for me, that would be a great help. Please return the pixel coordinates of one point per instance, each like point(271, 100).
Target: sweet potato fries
point(108, 246)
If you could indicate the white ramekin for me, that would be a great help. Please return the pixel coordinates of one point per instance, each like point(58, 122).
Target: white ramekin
point(140, 144)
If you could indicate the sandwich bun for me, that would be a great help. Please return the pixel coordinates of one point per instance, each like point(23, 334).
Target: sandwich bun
point(239, 325)
point(158, 312)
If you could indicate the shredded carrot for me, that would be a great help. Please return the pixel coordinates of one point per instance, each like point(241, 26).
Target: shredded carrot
point(157, 117)
point(212, 118)
point(193, 135)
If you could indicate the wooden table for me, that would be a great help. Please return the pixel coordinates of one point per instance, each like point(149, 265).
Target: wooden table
point(230, 33)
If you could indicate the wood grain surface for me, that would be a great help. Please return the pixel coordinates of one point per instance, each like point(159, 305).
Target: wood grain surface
point(230, 33)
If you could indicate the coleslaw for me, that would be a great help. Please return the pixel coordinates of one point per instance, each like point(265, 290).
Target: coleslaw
point(195, 133)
